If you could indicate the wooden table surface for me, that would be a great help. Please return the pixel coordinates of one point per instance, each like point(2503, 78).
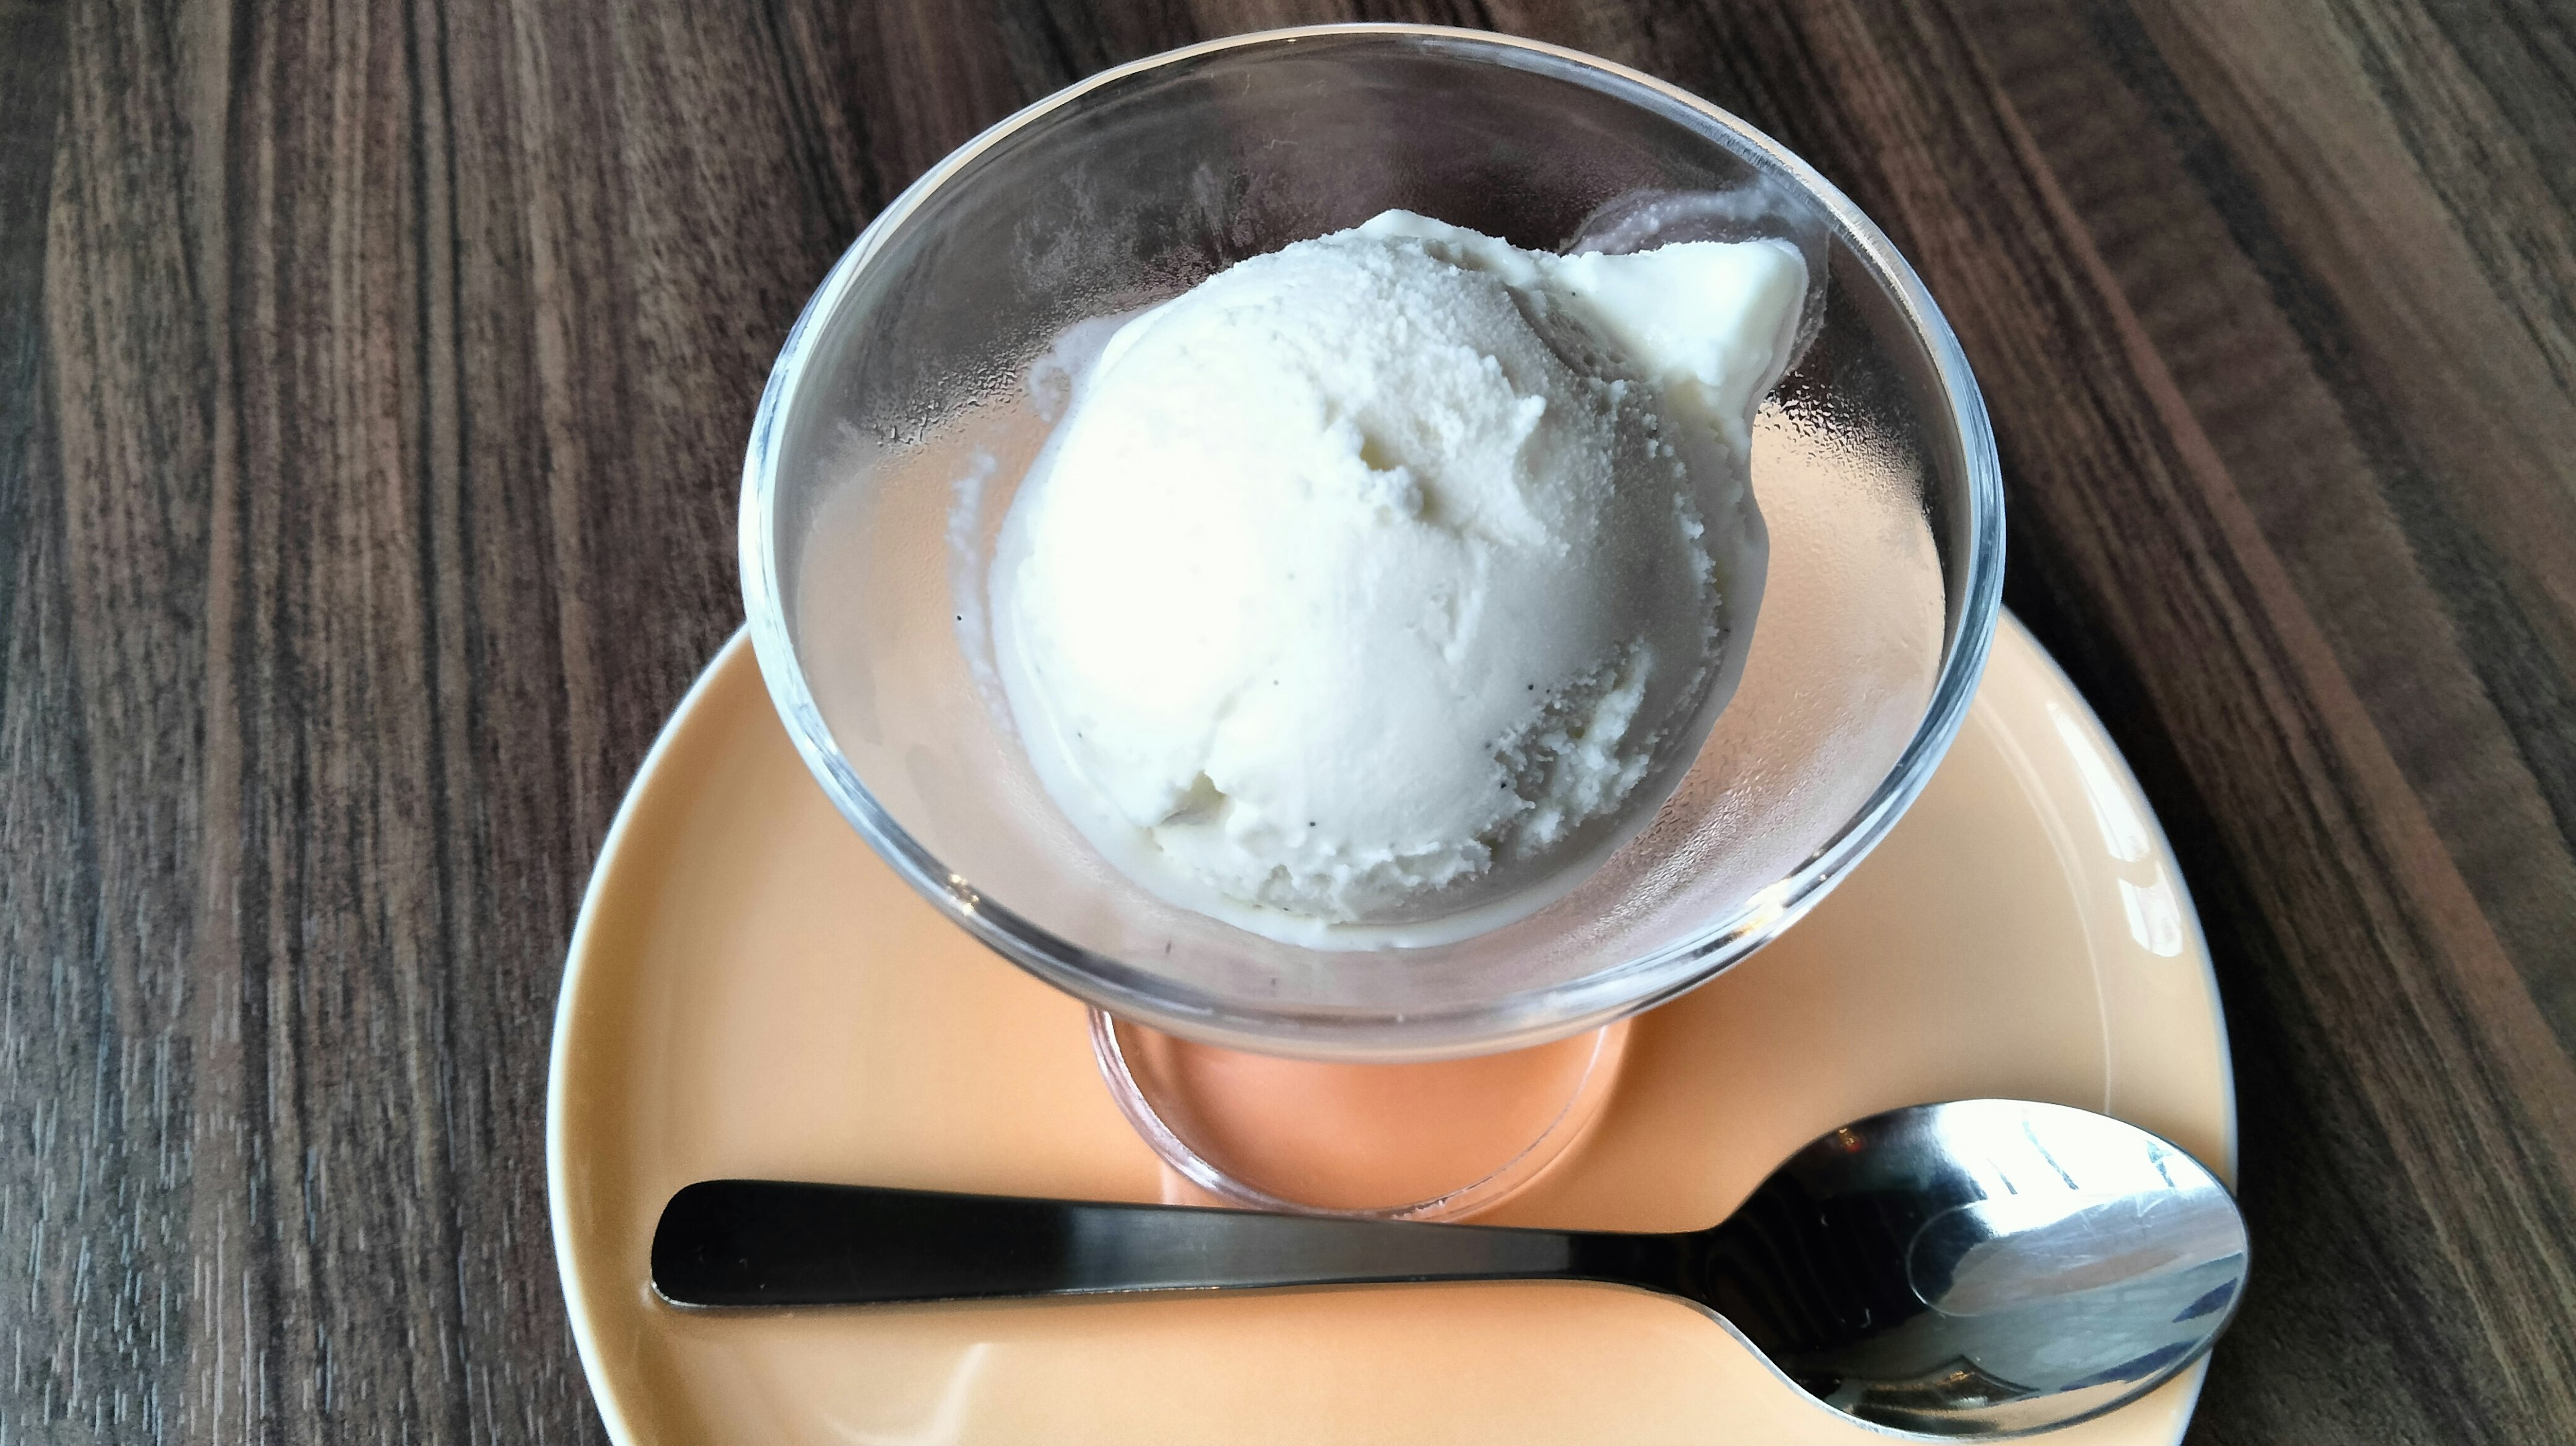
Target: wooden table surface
point(373, 387)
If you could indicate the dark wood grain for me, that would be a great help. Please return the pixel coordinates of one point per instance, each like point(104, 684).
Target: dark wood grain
point(373, 381)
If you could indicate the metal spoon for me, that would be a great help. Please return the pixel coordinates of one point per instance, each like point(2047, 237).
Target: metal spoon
point(1982, 1268)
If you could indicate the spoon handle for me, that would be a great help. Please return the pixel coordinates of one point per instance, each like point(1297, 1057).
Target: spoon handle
point(767, 1242)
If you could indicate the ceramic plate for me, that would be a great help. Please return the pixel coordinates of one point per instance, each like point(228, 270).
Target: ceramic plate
point(750, 993)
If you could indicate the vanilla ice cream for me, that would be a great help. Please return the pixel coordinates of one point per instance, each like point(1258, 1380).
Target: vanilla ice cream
point(1374, 589)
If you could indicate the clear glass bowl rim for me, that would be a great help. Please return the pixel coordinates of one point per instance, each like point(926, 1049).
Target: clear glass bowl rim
point(1514, 1021)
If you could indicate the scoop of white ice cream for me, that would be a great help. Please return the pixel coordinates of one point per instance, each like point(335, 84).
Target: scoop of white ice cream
point(1379, 580)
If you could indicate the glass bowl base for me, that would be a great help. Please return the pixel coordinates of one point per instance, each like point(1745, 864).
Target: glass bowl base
point(1435, 1141)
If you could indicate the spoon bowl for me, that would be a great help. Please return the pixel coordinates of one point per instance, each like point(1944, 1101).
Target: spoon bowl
point(1978, 1268)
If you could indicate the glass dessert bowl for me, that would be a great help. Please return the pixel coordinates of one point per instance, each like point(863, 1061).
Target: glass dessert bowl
point(916, 389)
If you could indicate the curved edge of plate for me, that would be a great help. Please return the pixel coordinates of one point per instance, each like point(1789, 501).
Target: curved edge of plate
point(577, 1306)
point(2198, 938)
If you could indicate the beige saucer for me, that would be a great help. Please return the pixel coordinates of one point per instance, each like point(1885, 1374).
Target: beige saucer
point(751, 993)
